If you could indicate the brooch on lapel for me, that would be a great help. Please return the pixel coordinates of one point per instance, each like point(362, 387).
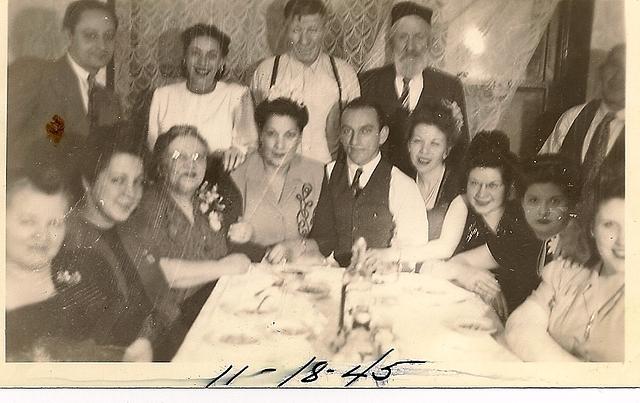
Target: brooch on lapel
point(304, 217)
point(211, 204)
point(68, 278)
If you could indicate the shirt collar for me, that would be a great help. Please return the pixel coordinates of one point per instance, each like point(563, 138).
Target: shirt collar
point(619, 115)
point(83, 75)
point(415, 81)
point(313, 66)
point(367, 169)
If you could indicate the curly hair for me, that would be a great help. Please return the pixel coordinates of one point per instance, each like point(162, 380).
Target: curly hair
point(211, 31)
point(438, 115)
point(491, 149)
point(550, 168)
point(156, 165)
point(107, 141)
point(281, 107)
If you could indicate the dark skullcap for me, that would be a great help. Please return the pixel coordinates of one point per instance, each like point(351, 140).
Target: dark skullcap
point(405, 8)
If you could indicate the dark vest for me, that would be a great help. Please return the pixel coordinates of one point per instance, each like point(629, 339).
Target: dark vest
point(572, 145)
point(366, 215)
point(573, 142)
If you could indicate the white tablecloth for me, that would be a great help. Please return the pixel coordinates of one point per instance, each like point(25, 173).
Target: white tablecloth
point(270, 319)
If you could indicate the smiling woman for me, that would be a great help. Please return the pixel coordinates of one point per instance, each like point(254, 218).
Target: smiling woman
point(180, 233)
point(221, 111)
point(112, 176)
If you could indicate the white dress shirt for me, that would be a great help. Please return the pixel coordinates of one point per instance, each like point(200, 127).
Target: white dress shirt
point(83, 80)
point(405, 203)
point(415, 89)
point(555, 140)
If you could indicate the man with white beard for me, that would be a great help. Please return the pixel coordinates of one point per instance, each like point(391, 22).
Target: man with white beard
point(409, 84)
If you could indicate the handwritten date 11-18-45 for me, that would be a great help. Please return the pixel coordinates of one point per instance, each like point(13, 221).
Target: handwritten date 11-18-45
point(312, 369)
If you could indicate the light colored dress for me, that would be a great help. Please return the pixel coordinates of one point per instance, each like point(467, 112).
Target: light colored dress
point(224, 117)
point(586, 316)
point(290, 217)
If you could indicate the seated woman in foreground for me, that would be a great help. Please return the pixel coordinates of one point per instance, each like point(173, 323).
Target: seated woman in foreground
point(510, 262)
point(51, 309)
point(280, 187)
point(113, 177)
point(481, 211)
point(180, 231)
point(577, 312)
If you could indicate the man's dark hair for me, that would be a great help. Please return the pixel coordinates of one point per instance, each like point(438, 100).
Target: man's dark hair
point(362, 103)
point(298, 8)
point(206, 30)
point(74, 11)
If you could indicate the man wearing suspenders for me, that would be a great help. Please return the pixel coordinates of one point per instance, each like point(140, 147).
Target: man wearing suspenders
point(308, 75)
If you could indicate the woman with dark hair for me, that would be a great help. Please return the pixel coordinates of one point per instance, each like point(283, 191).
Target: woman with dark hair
point(577, 312)
point(280, 187)
point(51, 309)
point(112, 177)
point(180, 231)
point(481, 211)
point(433, 133)
point(221, 111)
point(510, 261)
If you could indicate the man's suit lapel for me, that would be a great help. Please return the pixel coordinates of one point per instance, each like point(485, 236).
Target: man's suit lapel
point(65, 87)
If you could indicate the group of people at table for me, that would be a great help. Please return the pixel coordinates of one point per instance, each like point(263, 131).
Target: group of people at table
point(115, 239)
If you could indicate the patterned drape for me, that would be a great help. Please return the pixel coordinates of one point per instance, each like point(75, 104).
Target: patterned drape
point(488, 43)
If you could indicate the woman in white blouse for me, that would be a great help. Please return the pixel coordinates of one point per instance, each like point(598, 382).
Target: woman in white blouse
point(221, 111)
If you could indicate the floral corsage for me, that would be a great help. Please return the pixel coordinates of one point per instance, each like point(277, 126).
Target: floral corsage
point(211, 204)
point(68, 278)
point(456, 113)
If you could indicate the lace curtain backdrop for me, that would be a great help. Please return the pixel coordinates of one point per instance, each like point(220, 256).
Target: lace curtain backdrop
point(487, 43)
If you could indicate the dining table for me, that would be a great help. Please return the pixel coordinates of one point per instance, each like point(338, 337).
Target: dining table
point(295, 325)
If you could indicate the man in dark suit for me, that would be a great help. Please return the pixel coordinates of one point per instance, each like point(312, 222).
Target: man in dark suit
point(53, 105)
point(409, 84)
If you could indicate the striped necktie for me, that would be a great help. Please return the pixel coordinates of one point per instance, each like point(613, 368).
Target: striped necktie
point(355, 184)
point(91, 80)
point(596, 152)
point(404, 96)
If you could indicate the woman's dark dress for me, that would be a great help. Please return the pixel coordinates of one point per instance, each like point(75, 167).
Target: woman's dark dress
point(124, 313)
point(159, 229)
point(58, 328)
point(449, 189)
point(514, 247)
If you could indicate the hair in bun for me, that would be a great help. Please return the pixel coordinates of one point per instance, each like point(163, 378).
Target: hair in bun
point(492, 149)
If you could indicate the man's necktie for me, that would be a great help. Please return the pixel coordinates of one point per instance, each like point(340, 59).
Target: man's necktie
point(596, 153)
point(91, 80)
point(355, 184)
point(404, 96)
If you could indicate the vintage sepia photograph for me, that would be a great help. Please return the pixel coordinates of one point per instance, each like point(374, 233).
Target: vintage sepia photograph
point(316, 193)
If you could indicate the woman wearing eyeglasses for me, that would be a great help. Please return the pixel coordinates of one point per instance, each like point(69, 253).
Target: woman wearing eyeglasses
point(479, 212)
point(183, 226)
